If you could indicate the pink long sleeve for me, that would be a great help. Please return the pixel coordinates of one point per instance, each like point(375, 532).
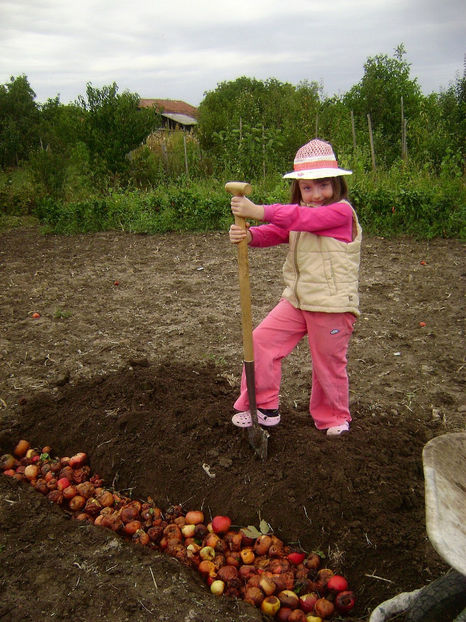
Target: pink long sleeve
point(335, 221)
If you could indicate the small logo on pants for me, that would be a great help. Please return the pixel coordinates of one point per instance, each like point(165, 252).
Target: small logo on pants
point(334, 331)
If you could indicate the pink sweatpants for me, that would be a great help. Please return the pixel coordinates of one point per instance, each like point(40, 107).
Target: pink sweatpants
point(328, 334)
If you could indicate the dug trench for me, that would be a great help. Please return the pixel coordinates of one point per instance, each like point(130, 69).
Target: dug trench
point(148, 395)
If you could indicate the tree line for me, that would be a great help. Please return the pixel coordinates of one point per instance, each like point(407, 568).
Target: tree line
point(248, 126)
point(54, 154)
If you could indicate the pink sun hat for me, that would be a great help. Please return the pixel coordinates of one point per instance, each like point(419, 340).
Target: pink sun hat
point(316, 160)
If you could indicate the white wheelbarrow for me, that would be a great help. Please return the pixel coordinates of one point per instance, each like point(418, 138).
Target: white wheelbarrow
point(443, 600)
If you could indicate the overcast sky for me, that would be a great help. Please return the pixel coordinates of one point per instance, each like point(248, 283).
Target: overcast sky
point(181, 49)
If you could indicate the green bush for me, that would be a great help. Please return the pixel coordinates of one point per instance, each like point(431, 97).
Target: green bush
point(185, 207)
point(88, 216)
point(398, 202)
point(18, 192)
point(414, 204)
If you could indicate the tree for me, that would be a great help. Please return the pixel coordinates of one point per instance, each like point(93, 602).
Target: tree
point(60, 125)
point(386, 80)
point(252, 127)
point(439, 132)
point(19, 117)
point(112, 124)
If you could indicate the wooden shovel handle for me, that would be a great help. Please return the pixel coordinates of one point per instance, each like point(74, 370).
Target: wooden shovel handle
point(240, 189)
point(245, 294)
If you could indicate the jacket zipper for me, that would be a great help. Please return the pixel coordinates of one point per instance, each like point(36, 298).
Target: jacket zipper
point(295, 259)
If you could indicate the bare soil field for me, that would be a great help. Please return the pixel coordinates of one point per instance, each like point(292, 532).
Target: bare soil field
point(136, 360)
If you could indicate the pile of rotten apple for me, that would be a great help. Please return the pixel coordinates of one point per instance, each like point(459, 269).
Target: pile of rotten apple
point(245, 563)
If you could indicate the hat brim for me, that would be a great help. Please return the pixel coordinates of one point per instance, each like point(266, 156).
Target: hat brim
point(317, 173)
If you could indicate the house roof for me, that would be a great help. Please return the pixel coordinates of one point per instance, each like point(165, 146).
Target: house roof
point(173, 109)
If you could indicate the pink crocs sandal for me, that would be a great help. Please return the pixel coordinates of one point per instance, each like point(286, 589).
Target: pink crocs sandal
point(337, 430)
point(244, 420)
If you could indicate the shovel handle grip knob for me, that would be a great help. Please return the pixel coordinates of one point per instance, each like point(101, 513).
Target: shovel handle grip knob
point(238, 188)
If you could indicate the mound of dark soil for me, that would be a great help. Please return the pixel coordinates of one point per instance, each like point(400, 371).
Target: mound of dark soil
point(142, 375)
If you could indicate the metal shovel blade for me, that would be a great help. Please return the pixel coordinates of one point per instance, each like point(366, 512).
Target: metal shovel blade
point(258, 437)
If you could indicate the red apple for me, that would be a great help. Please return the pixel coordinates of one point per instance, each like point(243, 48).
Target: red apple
point(253, 581)
point(227, 573)
point(246, 571)
point(323, 576)
point(324, 608)
point(7, 461)
point(337, 583)
point(221, 524)
point(262, 545)
point(254, 595)
point(78, 459)
point(21, 448)
point(207, 568)
point(344, 601)
point(307, 601)
point(63, 483)
point(313, 561)
point(194, 517)
point(211, 539)
point(233, 540)
point(296, 558)
point(232, 558)
point(283, 614)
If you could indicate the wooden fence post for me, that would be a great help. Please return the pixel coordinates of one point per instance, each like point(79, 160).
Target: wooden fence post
point(405, 142)
point(263, 151)
point(185, 154)
point(404, 149)
point(353, 131)
point(371, 139)
point(163, 146)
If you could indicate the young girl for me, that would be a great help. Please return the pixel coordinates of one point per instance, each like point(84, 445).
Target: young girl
point(321, 294)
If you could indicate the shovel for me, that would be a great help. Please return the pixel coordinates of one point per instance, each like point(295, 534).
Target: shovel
point(258, 437)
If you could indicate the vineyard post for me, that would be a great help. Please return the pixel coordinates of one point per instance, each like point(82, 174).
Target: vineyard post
point(164, 150)
point(371, 139)
point(404, 150)
point(185, 154)
point(263, 151)
point(405, 144)
point(353, 131)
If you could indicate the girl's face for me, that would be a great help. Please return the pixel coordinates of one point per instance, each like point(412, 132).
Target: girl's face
point(316, 192)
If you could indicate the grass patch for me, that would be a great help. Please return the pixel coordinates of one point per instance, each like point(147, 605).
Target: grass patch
point(8, 222)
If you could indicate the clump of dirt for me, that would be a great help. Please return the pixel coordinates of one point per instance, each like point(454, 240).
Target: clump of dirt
point(136, 360)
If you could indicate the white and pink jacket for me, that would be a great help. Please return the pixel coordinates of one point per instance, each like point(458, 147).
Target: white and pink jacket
point(321, 270)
